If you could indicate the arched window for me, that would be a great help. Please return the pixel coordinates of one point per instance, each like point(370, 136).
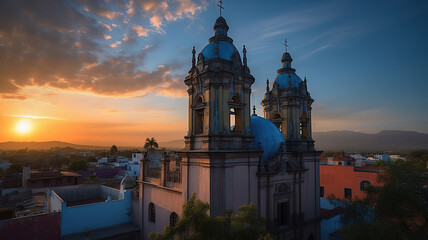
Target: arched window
point(303, 126)
point(235, 115)
point(364, 184)
point(152, 212)
point(198, 115)
point(173, 219)
point(199, 121)
point(277, 120)
point(198, 100)
point(232, 119)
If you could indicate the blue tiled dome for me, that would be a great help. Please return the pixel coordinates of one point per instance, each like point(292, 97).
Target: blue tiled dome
point(282, 80)
point(225, 50)
point(267, 134)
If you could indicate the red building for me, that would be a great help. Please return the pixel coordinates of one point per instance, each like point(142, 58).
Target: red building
point(346, 182)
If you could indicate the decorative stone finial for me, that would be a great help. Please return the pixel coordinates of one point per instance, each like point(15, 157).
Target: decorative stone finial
point(193, 57)
point(267, 85)
point(244, 51)
point(254, 110)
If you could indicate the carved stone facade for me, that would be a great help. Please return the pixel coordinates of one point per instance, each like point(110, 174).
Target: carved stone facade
point(233, 158)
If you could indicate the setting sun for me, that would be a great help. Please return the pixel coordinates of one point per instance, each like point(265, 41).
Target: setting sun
point(23, 126)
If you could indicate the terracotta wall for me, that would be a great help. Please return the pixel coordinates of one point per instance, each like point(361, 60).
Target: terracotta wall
point(335, 179)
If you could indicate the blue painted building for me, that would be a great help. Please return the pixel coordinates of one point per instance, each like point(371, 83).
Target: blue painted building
point(87, 208)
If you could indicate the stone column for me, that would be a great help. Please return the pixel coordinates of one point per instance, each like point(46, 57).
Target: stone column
point(164, 170)
point(145, 168)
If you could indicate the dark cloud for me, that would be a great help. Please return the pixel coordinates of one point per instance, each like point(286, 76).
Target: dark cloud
point(58, 44)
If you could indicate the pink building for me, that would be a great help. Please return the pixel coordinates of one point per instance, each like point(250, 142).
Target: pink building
point(233, 158)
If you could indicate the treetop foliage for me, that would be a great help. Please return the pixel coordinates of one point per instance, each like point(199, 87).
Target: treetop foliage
point(151, 144)
point(400, 206)
point(195, 223)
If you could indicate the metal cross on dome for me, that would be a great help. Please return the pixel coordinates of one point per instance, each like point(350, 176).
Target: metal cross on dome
point(220, 5)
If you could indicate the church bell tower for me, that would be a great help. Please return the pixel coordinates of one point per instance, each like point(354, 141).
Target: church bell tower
point(219, 88)
point(288, 105)
point(219, 161)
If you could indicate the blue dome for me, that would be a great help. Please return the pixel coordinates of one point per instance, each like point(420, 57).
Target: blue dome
point(225, 50)
point(267, 134)
point(282, 80)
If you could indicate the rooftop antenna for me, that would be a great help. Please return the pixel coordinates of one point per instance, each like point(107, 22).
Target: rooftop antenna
point(220, 5)
point(286, 45)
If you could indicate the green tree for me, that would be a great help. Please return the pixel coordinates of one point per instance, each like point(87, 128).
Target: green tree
point(150, 144)
point(113, 150)
point(77, 165)
point(195, 223)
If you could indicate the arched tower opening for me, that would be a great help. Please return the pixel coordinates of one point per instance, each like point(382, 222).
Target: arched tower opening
point(303, 126)
point(235, 117)
point(198, 115)
point(277, 120)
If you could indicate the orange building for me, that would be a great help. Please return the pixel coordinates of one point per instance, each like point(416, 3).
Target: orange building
point(346, 182)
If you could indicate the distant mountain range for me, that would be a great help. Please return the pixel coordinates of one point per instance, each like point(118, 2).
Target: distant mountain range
point(47, 145)
point(387, 140)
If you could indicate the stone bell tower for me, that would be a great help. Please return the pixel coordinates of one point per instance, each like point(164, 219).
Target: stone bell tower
point(288, 105)
point(219, 162)
point(219, 88)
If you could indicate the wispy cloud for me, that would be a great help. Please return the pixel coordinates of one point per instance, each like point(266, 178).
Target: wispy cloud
point(109, 110)
point(33, 117)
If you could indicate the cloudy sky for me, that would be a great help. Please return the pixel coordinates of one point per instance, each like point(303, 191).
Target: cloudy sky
point(111, 72)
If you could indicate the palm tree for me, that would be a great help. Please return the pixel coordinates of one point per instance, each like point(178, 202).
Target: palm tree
point(150, 144)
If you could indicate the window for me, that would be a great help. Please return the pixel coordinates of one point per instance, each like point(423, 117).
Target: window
point(276, 119)
point(235, 114)
point(232, 119)
point(173, 219)
point(364, 184)
point(348, 193)
point(199, 121)
point(321, 191)
point(152, 212)
point(282, 213)
point(303, 130)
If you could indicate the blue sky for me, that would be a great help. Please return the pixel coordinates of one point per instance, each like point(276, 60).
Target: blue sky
point(122, 63)
point(364, 60)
